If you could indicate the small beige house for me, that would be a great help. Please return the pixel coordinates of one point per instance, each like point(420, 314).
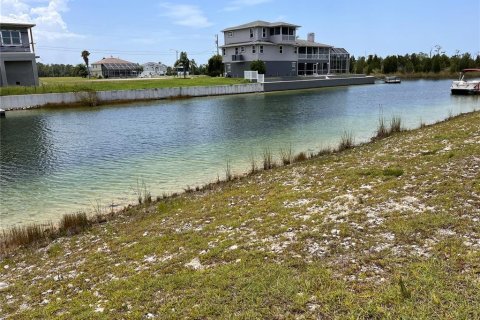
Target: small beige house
point(115, 68)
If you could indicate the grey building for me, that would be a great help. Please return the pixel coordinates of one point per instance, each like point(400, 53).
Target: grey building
point(17, 54)
point(284, 54)
point(153, 69)
point(115, 68)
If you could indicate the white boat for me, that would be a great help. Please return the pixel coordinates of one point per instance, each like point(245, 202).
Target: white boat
point(463, 86)
point(392, 80)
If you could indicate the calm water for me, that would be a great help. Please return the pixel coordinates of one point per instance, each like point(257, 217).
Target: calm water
point(55, 161)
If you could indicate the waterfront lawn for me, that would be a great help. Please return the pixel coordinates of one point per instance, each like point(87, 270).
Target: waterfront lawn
point(74, 84)
point(387, 230)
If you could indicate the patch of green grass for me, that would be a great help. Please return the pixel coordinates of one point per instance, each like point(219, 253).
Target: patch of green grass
point(393, 172)
point(59, 85)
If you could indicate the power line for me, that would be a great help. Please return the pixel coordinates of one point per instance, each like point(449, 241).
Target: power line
point(118, 51)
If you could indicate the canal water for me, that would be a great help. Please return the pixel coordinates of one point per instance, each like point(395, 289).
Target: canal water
point(64, 160)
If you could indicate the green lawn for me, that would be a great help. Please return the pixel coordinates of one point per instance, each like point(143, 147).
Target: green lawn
point(71, 84)
point(386, 230)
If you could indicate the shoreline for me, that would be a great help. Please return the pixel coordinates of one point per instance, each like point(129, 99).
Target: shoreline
point(101, 214)
point(387, 229)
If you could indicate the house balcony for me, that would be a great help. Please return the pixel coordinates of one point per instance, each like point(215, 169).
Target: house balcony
point(288, 38)
point(237, 57)
point(312, 56)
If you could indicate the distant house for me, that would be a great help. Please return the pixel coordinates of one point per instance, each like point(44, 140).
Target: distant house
point(115, 68)
point(284, 54)
point(17, 54)
point(153, 69)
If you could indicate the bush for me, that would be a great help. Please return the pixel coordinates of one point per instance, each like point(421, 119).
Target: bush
point(259, 66)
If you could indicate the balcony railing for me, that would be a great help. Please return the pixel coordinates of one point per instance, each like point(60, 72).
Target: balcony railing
point(312, 56)
point(288, 38)
point(237, 57)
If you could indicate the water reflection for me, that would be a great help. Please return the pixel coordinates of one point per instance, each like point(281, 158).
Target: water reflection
point(26, 149)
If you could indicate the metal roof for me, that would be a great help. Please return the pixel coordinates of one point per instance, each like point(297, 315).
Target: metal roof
point(120, 66)
point(339, 50)
point(260, 23)
point(113, 60)
point(11, 22)
point(305, 43)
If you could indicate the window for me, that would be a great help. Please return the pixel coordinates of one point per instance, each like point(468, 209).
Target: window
point(254, 49)
point(11, 37)
point(242, 49)
point(236, 51)
point(295, 50)
point(229, 67)
point(264, 32)
point(230, 34)
point(294, 66)
point(281, 49)
point(261, 49)
point(224, 51)
point(251, 33)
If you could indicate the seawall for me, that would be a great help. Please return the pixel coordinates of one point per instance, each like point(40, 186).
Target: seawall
point(93, 97)
point(321, 82)
point(37, 100)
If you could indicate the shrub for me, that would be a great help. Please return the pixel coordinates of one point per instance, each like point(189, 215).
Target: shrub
point(302, 156)
point(259, 66)
point(346, 141)
point(74, 223)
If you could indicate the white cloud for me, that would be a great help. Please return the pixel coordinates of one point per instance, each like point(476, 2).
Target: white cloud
point(185, 15)
point(47, 15)
point(241, 4)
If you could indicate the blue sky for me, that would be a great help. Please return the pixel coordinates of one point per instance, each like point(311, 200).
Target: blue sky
point(147, 30)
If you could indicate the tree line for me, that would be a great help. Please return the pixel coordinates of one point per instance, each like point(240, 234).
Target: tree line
point(213, 68)
point(372, 64)
point(414, 63)
point(61, 70)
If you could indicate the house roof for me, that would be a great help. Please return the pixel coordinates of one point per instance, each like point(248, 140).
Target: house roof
point(339, 50)
point(305, 43)
point(260, 23)
point(153, 64)
point(12, 22)
point(298, 43)
point(113, 60)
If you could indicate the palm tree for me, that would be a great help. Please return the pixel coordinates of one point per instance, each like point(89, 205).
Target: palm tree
point(193, 65)
point(85, 55)
point(184, 62)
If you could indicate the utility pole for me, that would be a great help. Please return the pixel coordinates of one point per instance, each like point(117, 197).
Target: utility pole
point(216, 42)
point(176, 54)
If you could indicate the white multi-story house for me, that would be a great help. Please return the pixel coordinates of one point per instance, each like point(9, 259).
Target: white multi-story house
point(277, 45)
point(17, 54)
point(153, 69)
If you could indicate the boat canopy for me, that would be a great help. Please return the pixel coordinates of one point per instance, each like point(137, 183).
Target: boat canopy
point(471, 70)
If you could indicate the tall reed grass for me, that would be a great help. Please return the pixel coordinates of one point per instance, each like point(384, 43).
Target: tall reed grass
point(346, 141)
point(18, 236)
point(383, 131)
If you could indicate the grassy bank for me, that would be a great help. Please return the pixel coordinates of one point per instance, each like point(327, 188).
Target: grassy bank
point(389, 229)
point(69, 84)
